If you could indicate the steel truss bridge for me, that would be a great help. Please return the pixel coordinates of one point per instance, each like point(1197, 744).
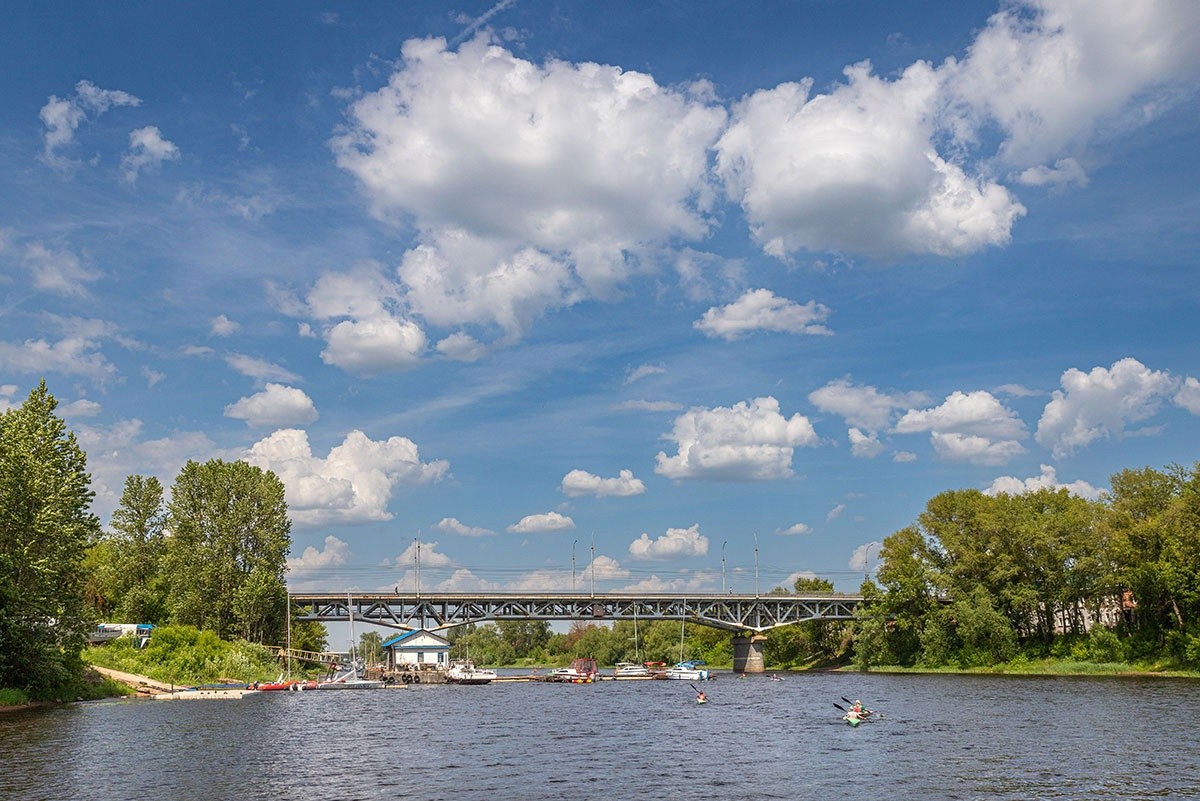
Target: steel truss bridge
point(440, 611)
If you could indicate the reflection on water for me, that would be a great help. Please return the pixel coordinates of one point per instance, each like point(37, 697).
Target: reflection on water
point(940, 737)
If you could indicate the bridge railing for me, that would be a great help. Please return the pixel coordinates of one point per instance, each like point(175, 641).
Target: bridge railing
point(439, 611)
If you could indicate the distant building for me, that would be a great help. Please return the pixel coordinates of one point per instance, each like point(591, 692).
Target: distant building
point(104, 632)
point(417, 650)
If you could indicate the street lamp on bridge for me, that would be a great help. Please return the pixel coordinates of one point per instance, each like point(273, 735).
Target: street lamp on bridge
point(756, 565)
point(867, 558)
point(723, 544)
point(417, 559)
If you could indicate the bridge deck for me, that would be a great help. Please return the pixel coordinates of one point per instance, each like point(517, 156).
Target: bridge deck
point(437, 611)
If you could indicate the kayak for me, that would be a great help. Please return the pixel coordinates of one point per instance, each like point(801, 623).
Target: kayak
point(852, 720)
point(701, 700)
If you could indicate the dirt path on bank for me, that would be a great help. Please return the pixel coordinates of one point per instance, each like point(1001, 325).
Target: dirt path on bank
point(143, 684)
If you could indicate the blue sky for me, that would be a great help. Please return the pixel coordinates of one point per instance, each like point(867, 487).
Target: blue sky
point(625, 292)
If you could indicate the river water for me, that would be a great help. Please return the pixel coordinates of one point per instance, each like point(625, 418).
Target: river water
point(939, 737)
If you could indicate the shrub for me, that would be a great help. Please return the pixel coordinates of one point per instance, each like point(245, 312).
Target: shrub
point(1103, 645)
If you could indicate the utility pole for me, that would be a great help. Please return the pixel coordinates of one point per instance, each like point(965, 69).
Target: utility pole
point(417, 559)
point(723, 544)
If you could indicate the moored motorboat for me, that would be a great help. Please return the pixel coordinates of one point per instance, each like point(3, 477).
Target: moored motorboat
point(581, 671)
point(688, 671)
point(465, 672)
point(631, 670)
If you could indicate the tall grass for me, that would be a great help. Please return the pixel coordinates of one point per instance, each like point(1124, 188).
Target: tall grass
point(186, 655)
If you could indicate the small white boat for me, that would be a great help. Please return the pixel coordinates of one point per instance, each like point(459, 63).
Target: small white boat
point(465, 672)
point(349, 680)
point(688, 671)
point(631, 670)
point(581, 671)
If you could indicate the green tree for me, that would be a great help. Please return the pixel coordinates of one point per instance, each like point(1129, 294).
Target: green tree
point(525, 637)
point(370, 647)
point(911, 579)
point(225, 559)
point(308, 635)
point(1137, 523)
point(45, 529)
point(137, 543)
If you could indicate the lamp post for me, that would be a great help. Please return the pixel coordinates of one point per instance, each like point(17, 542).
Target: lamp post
point(417, 559)
point(756, 565)
point(723, 544)
point(593, 564)
point(867, 555)
point(573, 565)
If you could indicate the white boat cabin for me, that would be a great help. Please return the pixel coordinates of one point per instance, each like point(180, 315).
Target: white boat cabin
point(419, 649)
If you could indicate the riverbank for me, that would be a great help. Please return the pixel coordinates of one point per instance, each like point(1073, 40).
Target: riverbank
point(93, 685)
point(1046, 667)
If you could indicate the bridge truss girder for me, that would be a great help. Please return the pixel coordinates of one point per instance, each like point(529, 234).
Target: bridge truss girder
point(734, 613)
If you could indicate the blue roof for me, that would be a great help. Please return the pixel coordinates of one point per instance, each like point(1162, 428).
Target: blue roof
point(400, 638)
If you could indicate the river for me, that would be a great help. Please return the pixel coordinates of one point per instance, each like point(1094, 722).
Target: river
point(939, 737)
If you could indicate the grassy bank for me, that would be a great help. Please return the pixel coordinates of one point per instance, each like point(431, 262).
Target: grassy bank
point(90, 686)
point(1045, 667)
point(185, 655)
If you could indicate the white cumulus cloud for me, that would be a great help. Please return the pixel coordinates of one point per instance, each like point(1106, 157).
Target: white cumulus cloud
point(353, 484)
point(276, 406)
point(863, 407)
point(747, 441)
point(452, 525)
point(334, 554)
point(63, 116)
point(865, 445)
point(1049, 73)
point(539, 523)
point(969, 427)
point(1101, 404)
point(763, 310)
point(531, 186)
point(147, 150)
point(366, 327)
point(222, 326)
point(907, 164)
point(1046, 479)
point(676, 543)
point(1189, 395)
point(580, 482)
point(856, 170)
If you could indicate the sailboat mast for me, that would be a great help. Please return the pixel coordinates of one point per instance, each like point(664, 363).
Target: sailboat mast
point(350, 613)
point(289, 634)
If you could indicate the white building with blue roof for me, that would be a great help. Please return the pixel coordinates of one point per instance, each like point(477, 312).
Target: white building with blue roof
point(417, 650)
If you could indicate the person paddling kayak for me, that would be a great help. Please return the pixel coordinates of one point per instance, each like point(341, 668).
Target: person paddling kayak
point(701, 698)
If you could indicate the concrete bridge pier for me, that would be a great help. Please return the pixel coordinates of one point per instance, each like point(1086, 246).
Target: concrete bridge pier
point(748, 653)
